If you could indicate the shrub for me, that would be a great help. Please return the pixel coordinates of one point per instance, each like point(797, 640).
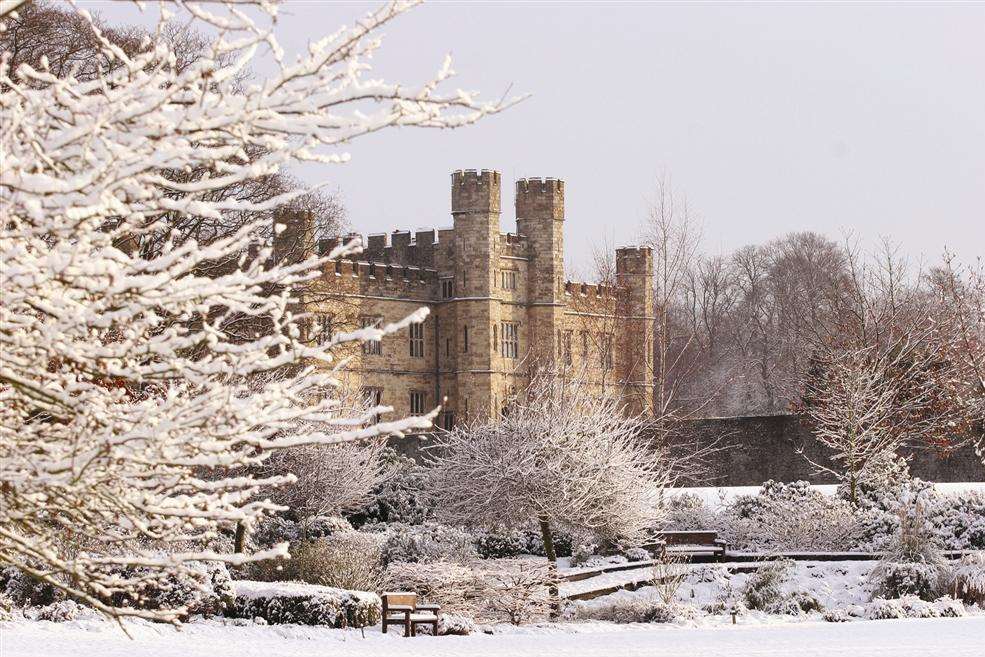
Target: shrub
point(350, 560)
point(273, 530)
point(836, 616)
point(6, 607)
point(505, 544)
point(911, 606)
point(305, 604)
point(968, 579)
point(455, 625)
point(25, 591)
point(322, 526)
point(689, 512)
point(457, 588)
point(788, 517)
point(205, 589)
point(405, 497)
point(764, 587)
point(635, 554)
point(426, 543)
point(60, 612)
point(519, 592)
point(583, 554)
point(501, 545)
point(635, 609)
point(913, 563)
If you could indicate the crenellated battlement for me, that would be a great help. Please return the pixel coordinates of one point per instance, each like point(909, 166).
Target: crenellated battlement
point(382, 279)
point(475, 191)
point(539, 186)
point(590, 290)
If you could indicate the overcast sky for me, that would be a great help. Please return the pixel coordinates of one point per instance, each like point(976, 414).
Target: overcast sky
point(770, 118)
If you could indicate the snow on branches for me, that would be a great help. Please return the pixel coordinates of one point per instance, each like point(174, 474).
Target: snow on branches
point(133, 407)
point(561, 455)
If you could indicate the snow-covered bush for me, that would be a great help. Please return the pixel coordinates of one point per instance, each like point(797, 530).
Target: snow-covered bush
point(26, 591)
point(349, 560)
point(458, 588)
point(896, 580)
point(913, 563)
point(584, 553)
point(60, 612)
point(6, 607)
point(911, 606)
point(404, 497)
point(958, 520)
point(634, 609)
point(322, 526)
point(504, 544)
point(305, 604)
point(455, 625)
point(203, 588)
point(968, 579)
point(635, 554)
point(425, 543)
point(764, 588)
point(836, 616)
point(688, 511)
point(788, 517)
point(519, 592)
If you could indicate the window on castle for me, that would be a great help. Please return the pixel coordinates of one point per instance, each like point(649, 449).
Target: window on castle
point(447, 288)
point(510, 345)
point(495, 340)
point(418, 402)
point(566, 347)
point(373, 397)
point(605, 351)
point(584, 345)
point(447, 420)
point(447, 346)
point(323, 329)
point(372, 347)
point(416, 340)
point(465, 339)
point(507, 279)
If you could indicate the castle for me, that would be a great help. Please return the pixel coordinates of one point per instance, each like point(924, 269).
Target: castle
point(499, 303)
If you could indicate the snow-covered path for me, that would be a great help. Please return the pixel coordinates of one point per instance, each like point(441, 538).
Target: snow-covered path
point(960, 637)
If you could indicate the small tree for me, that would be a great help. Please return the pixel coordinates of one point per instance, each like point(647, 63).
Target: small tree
point(561, 456)
point(865, 402)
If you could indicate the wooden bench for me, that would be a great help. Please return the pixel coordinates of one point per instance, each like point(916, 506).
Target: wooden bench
point(699, 541)
point(402, 608)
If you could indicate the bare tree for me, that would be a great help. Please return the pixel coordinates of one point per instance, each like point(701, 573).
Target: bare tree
point(561, 456)
point(865, 402)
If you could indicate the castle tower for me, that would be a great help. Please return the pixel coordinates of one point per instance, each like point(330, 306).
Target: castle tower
point(475, 209)
point(634, 280)
point(540, 217)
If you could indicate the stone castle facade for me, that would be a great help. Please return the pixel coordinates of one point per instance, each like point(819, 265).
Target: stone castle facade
point(499, 304)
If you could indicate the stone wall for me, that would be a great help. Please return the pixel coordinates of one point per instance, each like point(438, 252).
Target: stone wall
point(768, 447)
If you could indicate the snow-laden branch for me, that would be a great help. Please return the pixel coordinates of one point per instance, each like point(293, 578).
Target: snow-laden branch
point(136, 386)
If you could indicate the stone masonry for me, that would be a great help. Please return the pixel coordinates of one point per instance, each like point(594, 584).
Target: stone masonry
point(498, 303)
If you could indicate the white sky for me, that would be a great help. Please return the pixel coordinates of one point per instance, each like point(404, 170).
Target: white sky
point(770, 117)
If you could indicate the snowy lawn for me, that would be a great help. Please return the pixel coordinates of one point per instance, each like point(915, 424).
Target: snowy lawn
point(954, 637)
point(720, 496)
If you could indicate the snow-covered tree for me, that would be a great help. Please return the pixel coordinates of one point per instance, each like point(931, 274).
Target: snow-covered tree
point(561, 456)
point(132, 403)
point(864, 403)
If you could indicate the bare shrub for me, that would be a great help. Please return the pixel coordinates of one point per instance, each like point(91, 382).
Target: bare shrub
point(669, 572)
point(519, 592)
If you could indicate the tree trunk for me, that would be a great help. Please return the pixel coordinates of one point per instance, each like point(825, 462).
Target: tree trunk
point(240, 540)
point(548, 536)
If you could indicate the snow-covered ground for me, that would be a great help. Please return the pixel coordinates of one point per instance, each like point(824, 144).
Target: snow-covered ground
point(723, 495)
point(954, 637)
